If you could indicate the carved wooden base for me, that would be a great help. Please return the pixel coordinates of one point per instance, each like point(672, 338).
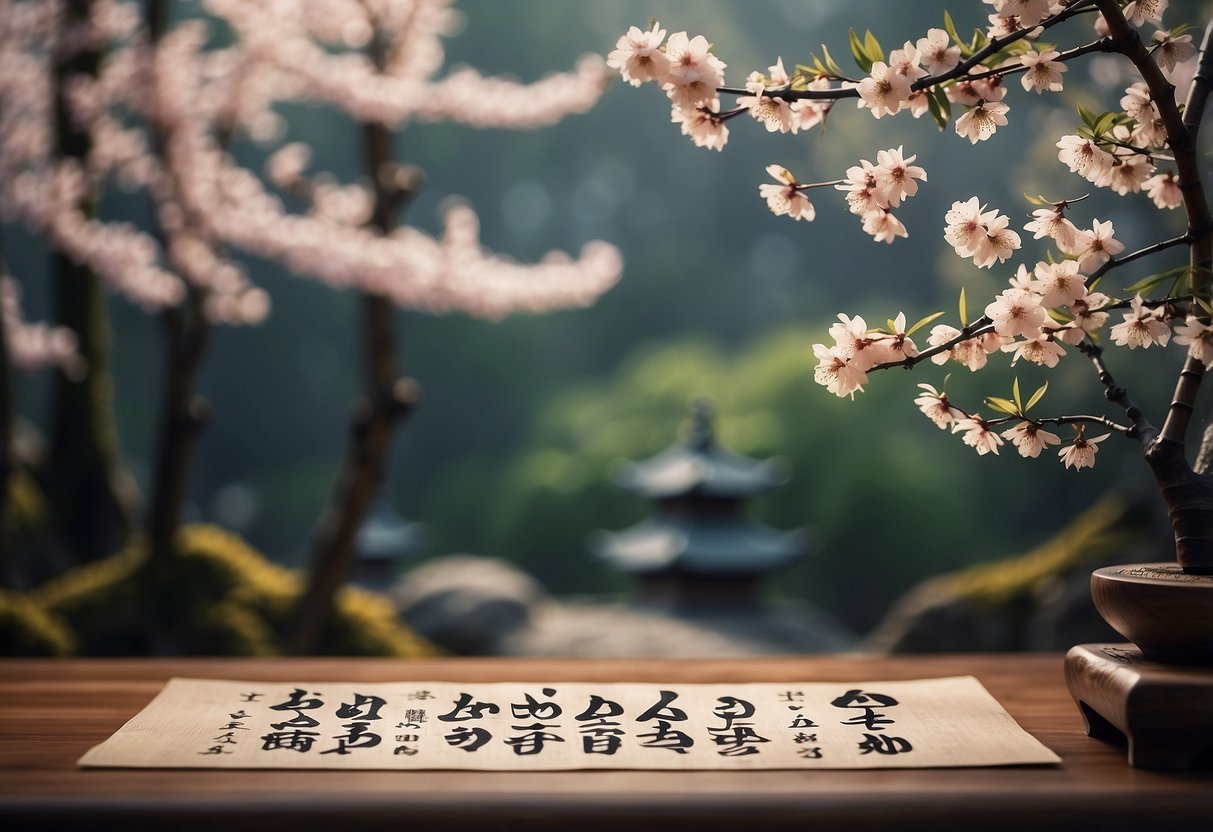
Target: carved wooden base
point(1165, 712)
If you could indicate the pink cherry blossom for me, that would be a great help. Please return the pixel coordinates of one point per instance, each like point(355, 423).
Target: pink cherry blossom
point(896, 176)
point(774, 113)
point(1141, 328)
point(807, 113)
point(1042, 350)
point(836, 373)
point(906, 61)
point(981, 121)
point(1128, 174)
point(883, 90)
point(1140, 11)
point(971, 352)
point(694, 72)
point(1164, 189)
point(1197, 336)
point(1097, 245)
point(883, 226)
point(786, 199)
point(703, 124)
point(1170, 50)
point(1027, 12)
point(1084, 157)
point(1059, 284)
point(894, 346)
point(1043, 71)
point(33, 346)
point(977, 435)
point(964, 229)
point(1017, 313)
point(938, 55)
point(1081, 454)
point(638, 56)
point(1001, 241)
point(1030, 438)
point(935, 405)
point(1053, 223)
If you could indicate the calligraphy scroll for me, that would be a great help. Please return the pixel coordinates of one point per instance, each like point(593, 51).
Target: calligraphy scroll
point(196, 723)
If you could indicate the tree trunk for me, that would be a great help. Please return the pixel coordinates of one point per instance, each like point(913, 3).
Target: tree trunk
point(91, 495)
point(1189, 499)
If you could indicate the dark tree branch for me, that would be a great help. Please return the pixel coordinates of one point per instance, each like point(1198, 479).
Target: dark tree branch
point(979, 327)
point(1142, 429)
point(1116, 262)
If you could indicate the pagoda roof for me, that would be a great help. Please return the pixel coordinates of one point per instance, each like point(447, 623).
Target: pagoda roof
point(705, 545)
point(699, 466)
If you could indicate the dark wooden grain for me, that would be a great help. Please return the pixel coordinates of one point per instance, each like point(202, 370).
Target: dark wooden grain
point(51, 712)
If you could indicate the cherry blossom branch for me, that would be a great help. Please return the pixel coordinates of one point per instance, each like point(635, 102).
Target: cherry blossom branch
point(993, 47)
point(1115, 262)
point(979, 327)
point(1142, 429)
point(1101, 45)
point(1104, 421)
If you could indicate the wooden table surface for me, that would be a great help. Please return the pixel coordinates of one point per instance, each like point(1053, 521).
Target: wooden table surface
point(51, 712)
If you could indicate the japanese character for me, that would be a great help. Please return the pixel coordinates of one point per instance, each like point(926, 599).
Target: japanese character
point(882, 744)
point(802, 737)
point(600, 708)
point(812, 752)
point(421, 695)
point(802, 721)
point(250, 697)
point(662, 711)
point(468, 739)
point(738, 740)
point(666, 737)
point(731, 708)
point(413, 717)
point(240, 714)
point(290, 740)
point(404, 749)
point(215, 749)
point(531, 743)
point(533, 709)
point(869, 719)
point(296, 702)
point(475, 710)
point(357, 737)
point(859, 699)
point(601, 739)
point(355, 710)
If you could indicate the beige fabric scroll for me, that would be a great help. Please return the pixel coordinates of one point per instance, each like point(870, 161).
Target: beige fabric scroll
point(205, 723)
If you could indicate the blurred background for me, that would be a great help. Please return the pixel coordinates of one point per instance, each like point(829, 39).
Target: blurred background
point(511, 454)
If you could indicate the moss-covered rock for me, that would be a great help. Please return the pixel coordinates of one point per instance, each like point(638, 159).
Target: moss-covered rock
point(215, 596)
point(27, 630)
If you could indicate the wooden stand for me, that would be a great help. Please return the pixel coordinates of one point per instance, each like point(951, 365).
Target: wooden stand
point(1164, 711)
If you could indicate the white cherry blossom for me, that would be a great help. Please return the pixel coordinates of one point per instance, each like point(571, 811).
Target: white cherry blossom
point(1141, 328)
point(1081, 454)
point(938, 55)
point(1030, 438)
point(883, 90)
point(1043, 71)
point(977, 435)
point(1097, 245)
point(1197, 336)
point(1017, 313)
point(786, 198)
point(1059, 284)
point(638, 56)
point(1164, 189)
point(935, 405)
point(981, 122)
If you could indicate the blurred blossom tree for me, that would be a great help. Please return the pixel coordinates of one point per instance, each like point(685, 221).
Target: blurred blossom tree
point(95, 93)
point(1145, 148)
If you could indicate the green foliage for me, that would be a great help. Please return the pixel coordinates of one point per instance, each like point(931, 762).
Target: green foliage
point(869, 478)
point(217, 596)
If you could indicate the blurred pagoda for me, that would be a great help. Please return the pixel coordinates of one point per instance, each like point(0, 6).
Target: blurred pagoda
point(700, 551)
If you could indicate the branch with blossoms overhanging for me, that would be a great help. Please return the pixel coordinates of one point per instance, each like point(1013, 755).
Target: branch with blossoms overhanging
point(1146, 146)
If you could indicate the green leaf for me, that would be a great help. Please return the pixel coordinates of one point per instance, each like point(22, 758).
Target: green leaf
point(950, 28)
point(939, 107)
point(831, 65)
point(1088, 118)
point(871, 47)
point(1037, 396)
point(1104, 123)
point(858, 53)
point(1035, 200)
point(964, 312)
point(1002, 405)
point(920, 324)
point(1015, 395)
